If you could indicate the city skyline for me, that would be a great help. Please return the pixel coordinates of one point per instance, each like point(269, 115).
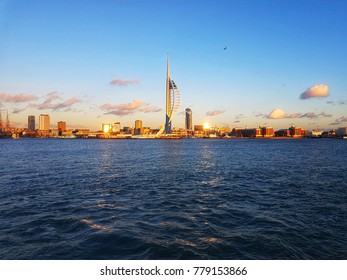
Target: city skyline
point(238, 64)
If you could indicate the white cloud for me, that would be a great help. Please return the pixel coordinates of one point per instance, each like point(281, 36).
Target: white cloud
point(277, 114)
point(280, 114)
point(17, 98)
point(49, 103)
point(319, 90)
point(123, 82)
point(214, 113)
point(129, 108)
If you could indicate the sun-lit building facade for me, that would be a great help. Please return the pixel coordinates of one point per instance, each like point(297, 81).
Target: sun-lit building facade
point(61, 126)
point(44, 122)
point(267, 131)
point(106, 128)
point(138, 124)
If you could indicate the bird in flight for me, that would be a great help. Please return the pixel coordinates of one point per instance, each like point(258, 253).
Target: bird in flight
point(225, 48)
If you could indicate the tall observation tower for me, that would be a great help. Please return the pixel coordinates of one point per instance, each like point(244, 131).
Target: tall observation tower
point(172, 101)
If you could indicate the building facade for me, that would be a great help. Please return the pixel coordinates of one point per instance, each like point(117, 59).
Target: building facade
point(189, 119)
point(106, 128)
point(267, 132)
point(138, 124)
point(61, 127)
point(31, 123)
point(116, 127)
point(341, 131)
point(44, 122)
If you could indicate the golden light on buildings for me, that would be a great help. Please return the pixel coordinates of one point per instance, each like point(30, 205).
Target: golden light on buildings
point(206, 126)
point(106, 128)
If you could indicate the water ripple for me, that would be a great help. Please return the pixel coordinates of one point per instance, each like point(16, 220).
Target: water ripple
point(186, 199)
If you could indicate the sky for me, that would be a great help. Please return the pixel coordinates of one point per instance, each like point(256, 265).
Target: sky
point(94, 62)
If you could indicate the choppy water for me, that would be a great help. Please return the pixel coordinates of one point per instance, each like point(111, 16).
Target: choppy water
point(179, 199)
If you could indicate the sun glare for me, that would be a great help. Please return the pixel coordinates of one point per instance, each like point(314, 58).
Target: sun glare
point(206, 126)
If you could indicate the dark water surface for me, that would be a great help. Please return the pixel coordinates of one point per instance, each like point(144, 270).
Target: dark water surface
point(173, 199)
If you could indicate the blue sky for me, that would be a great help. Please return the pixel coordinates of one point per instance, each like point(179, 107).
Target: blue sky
point(60, 58)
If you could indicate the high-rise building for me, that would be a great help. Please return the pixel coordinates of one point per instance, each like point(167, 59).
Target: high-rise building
point(44, 122)
point(61, 127)
point(138, 124)
point(172, 101)
point(138, 127)
point(106, 127)
point(116, 127)
point(189, 119)
point(31, 123)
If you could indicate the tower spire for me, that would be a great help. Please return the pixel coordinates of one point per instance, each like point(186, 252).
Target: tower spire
point(172, 100)
point(168, 98)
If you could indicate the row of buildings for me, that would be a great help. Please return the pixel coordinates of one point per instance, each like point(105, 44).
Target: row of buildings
point(114, 130)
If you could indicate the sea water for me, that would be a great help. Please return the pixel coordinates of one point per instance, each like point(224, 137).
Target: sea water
point(173, 199)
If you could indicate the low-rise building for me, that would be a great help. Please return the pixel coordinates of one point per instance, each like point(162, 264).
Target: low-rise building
point(252, 132)
point(267, 132)
point(295, 131)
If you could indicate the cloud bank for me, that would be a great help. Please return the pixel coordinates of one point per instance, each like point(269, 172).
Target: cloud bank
point(280, 114)
point(214, 113)
point(50, 103)
point(129, 108)
point(339, 121)
point(17, 111)
point(319, 90)
point(17, 98)
point(123, 82)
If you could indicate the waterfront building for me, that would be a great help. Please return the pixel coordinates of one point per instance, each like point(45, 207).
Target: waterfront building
point(116, 127)
point(189, 119)
point(282, 133)
point(199, 128)
point(295, 131)
point(223, 131)
point(44, 122)
point(267, 132)
point(147, 130)
point(128, 130)
point(61, 127)
point(236, 132)
point(138, 124)
point(82, 133)
point(106, 128)
point(251, 132)
point(138, 127)
point(31, 123)
point(341, 131)
point(315, 133)
point(172, 101)
point(54, 133)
